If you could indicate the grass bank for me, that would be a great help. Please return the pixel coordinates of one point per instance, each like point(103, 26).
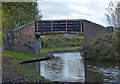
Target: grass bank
point(19, 57)
point(24, 70)
point(58, 49)
point(104, 48)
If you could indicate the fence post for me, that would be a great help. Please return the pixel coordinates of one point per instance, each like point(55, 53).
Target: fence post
point(81, 26)
point(51, 27)
point(66, 26)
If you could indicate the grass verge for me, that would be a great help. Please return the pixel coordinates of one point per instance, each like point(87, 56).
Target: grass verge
point(58, 48)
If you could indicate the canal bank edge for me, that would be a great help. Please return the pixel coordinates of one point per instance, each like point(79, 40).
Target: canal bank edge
point(42, 59)
point(49, 56)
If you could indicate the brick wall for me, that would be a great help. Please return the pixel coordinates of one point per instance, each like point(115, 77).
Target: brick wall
point(92, 30)
point(22, 39)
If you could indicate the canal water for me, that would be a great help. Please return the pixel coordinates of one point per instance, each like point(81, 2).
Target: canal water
point(70, 67)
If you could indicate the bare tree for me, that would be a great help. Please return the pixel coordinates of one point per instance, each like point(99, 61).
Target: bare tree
point(113, 14)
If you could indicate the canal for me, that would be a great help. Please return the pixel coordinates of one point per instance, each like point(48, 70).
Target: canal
point(70, 67)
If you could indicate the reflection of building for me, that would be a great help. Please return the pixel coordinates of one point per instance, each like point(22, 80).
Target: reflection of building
point(37, 67)
point(66, 68)
point(91, 76)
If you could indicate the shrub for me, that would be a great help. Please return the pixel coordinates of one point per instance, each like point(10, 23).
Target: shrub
point(103, 48)
point(60, 41)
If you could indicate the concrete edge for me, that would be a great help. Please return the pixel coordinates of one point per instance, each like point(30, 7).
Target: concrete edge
point(42, 59)
point(23, 26)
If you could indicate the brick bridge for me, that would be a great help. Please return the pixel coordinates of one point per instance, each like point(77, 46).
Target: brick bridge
point(27, 37)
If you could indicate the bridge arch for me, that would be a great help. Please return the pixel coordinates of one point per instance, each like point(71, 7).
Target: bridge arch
point(27, 37)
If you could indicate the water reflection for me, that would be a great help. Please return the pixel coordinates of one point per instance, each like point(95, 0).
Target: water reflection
point(68, 67)
point(64, 67)
point(102, 71)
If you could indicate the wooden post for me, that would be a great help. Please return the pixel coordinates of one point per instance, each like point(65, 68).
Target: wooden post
point(37, 25)
point(51, 27)
point(81, 26)
point(66, 26)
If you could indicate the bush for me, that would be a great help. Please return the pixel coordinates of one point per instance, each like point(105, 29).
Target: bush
point(103, 48)
point(54, 41)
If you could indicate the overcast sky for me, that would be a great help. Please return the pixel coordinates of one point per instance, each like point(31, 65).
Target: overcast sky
point(92, 10)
